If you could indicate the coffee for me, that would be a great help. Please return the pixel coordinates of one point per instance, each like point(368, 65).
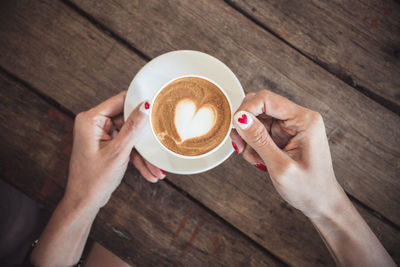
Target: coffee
point(191, 116)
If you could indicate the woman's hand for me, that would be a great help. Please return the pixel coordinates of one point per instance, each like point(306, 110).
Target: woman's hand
point(290, 142)
point(103, 145)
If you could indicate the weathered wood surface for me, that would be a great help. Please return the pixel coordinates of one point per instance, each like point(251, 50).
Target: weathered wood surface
point(364, 146)
point(358, 41)
point(36, 142)
point(94, 66)
point(144, 224)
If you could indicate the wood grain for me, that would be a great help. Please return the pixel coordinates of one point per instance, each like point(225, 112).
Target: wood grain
point(364, 145)
point(145, 224)
point(358, 41)
point(100, 67)
point(72, 58)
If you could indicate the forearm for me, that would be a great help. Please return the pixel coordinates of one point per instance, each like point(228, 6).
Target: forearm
point(63, 240)
point(349, 239)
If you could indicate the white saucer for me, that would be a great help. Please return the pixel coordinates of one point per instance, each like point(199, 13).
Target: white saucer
point(163, 69)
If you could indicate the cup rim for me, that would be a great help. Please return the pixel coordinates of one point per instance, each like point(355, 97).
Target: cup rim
point(177, 154)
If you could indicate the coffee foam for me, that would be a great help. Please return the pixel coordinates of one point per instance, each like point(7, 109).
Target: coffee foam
point(191, 122)
point(191, 116)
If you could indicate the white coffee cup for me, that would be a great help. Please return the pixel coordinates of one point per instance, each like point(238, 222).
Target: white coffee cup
point(177, 154)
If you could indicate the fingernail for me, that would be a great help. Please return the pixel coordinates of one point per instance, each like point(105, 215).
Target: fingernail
point(164, 174)
point(235, 147)
point(145, 107)
point(243, 119)
point(261, 167)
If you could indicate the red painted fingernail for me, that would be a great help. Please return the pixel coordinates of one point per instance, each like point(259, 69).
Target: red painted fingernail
point(261, 166)
point(243, 119)
point(163, 172)
point(144, 107)
point(235, 147)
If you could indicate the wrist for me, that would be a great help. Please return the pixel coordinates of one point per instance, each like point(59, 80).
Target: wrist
point(81, 195)
point(335, 210)
point(77, 205)
point(334, 204)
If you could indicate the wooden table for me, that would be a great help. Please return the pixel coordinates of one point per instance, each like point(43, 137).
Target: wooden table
point(342, 58)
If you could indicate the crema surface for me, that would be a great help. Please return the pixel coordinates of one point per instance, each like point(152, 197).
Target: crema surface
point(191, 116)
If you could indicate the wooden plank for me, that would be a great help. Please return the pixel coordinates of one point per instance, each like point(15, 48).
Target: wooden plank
point(145, 224)
point(240, 201)
point(356, 40)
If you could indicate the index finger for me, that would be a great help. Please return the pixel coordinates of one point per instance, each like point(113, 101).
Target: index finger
point(112, 106)
point(271, 104)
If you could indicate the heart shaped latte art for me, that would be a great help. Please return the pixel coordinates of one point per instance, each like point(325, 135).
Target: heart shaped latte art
point(191, 122)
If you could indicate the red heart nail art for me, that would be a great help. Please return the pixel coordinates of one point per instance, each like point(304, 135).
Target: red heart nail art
point(243, 119)
point(147, 105)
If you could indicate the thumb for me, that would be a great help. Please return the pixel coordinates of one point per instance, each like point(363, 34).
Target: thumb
point(256, 135)
point(132, 128)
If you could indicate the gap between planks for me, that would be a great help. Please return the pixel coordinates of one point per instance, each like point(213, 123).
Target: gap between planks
point(341, 76)
point(41, 95)
point(104, 29)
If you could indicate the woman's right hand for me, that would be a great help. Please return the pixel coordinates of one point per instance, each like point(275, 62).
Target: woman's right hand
point(290, 142)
